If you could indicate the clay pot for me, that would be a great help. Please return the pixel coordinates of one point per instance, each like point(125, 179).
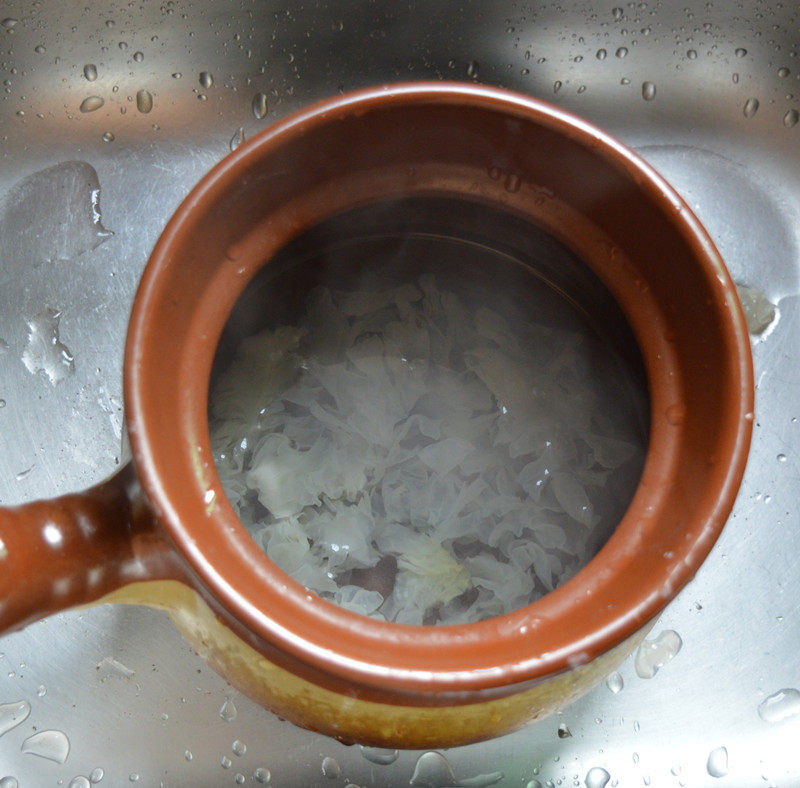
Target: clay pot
point(161, 532)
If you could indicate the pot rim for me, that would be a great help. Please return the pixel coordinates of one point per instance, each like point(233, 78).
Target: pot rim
point(522, 646)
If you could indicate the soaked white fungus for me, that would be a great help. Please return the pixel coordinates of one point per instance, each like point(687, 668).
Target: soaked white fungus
point(419, 460)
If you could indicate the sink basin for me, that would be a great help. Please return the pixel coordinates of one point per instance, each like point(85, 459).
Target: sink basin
point(147, 98)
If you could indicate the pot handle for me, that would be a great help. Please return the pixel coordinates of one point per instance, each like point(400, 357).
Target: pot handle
point(72, 550)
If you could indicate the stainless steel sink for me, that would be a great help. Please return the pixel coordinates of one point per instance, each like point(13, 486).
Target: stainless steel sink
point(675, 80)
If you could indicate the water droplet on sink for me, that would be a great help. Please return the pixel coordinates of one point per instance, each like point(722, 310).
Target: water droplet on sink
point(380, 756)
point(621, 52)
point(783, 72)
point(691, 54)
point(9, 23)
point(39, 49)
point(144, 101)
point(239, 748)
point(138, 56)
point(225, 762)
point(654, 654)
point(53, 214)
point(791, 118)
point(597, 777)
point(601, 54)
point(564, 732)
point(617, 13)
point(759, 312)
point(433, 770)
point(79, 782)
point(534, 783)
point(717, 764)
point(228, 710)
point(239, 779)
point(780, 705)
point(91, 104)
point(51, 744)
point(108, 136)
point(259, 105)
point(177, 75)
point(45, 352)
point(262, 775)
point(648, 91)
point(556, 86)
point(330, 768)
point(90, 72)
point(97, 775)
point(206, 79)
point(750, 107)
point(615, 683)
point(237, 139)
point(473, 67)
point(12, 714)
point(740, 52)
point(41, 691)
point(9, 782)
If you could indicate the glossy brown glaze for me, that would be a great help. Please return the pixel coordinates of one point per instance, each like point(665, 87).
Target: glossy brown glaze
point(256, 624)
point(75, 549)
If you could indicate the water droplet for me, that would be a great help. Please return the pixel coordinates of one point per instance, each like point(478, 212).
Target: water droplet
point(654, 654)
point(676, 413)
point(177, 75)
point(750, 107)
point(97, 775)
point(202, 97)
point(648, 91)
point(379, 756)
point(237, 139)
point(21, 476)
point(123, 45)
point(262, 775)
point(758, 311)
point(41, 691)
point(783, 72)
point(781, 458)
point(108, 136)
point(44, 351)
point(187, 754)
point(225, 762)
point(791, 118)
point(597, 777)
point(717, 764)
point(617, 13)
point(53, 214)
point(433, 770)
point(621, 52)
point(259, 105)
point(51, 744)
point(635, 757)
point(9, 782)
point(239, 748)
point(134, 777)
point(239, 778)
point(228, 711)
point(740, 52)
point(331, 769)
point(12, 714)
point(144, 101)
point(534, 783)
point(624, 81)
point(735, 78)
point(108, 667)
point(79, 782)
point(138, 56)
point(691, 54)
point(601, 54)
point(556, 86)
point(581, 89)
point(39, 49)
point(780, 705)
point(564, 732)
point(473, 67)
point(90, 72)
point(578, 59)
point(9, 22)
point(615, 683)
point(206, 79)
point(91, 103)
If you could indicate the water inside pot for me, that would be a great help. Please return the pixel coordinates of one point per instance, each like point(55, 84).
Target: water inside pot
point(428, 411)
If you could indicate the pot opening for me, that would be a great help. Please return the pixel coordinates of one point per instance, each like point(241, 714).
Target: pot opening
point(429, 411)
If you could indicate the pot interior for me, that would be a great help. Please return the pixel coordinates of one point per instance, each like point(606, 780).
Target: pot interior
point(525, 316)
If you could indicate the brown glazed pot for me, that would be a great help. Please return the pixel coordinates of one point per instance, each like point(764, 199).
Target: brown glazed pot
point(161, 532)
